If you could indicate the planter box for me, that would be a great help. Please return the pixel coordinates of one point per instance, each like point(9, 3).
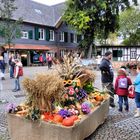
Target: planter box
point(21, 129)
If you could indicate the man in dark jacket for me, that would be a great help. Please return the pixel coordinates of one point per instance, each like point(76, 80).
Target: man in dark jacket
point(107, 76)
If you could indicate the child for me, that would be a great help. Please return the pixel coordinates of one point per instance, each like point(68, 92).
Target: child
point(137, 91)
point(121, 88)
point(18, 64)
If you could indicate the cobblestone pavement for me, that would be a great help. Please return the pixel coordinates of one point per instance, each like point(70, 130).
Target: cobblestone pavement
point(118, 126)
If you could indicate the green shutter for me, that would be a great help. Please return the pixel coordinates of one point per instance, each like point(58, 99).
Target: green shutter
point(47, 34)
point(1, 33)
point(65, 37)
point(36, 33)
point(30, 34)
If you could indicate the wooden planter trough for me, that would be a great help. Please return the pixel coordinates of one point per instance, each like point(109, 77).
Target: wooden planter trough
point(21, 129)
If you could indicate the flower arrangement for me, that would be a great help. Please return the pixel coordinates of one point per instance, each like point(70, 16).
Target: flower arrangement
point(62, 97)
point(131, 65)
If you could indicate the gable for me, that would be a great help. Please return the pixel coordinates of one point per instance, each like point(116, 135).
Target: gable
point(33, 12)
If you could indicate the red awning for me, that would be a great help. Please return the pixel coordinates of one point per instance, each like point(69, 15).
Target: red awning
point(28, 47)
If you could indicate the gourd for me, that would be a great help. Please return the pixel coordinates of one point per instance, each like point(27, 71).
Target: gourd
point(98, 98)
point(74, 117)
point(58, 118)
point(68, 122)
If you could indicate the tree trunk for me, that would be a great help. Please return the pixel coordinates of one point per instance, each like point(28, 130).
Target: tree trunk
point(89, 55)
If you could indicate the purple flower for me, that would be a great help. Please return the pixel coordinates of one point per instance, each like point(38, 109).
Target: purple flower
point(81, 94)
point(86, 107)
point(64, 113)
point(10, 108)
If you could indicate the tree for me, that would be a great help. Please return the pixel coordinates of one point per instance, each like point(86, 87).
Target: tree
point(94, 18)
point(133, 39)
point(129, 21)
point(9, 28)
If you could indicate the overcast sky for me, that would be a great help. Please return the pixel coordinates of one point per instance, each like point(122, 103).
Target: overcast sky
point(49, 2)
point(52, 2)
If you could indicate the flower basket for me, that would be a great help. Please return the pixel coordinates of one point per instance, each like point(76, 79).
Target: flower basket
point(131, 65)
point(61, 105)
point(28, 130)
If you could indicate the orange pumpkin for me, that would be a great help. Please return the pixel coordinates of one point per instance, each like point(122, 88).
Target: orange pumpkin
point(98, 98)
point(48, 116)
point(74, 117)
point(68, 122)
point(58, 118)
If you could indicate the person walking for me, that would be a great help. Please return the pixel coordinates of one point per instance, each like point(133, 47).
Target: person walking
point(2, 68)
point(41, 59)
point(137, 91)
point(122, 84)
point(18, 65)
point(49, 59)
point(11, 65)
point(107, 76)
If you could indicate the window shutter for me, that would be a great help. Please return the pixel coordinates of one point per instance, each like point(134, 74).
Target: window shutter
point(65, 37)
point(36, 33)
point(47, 34)
point(30, 34)
point(1, 33)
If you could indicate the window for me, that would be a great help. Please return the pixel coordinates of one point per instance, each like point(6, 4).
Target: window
point(24, 34)
point(71, 37)
point(61, 36)
point(117, 53)
point(62, 53)
point(41, 34)
point(65, 37)
point(133, 55)
point(38, 11)
point(75, 38)
point(51, 35)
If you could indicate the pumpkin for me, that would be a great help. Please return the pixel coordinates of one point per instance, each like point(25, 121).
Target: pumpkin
point(48, 116)
point(98, 98)
point(58, 118)
point(68, 122)
point(74, 117)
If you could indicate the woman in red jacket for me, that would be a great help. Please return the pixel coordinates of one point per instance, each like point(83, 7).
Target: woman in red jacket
point(122, 84)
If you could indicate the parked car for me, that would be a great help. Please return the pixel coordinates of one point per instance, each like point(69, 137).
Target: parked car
point(92, 63)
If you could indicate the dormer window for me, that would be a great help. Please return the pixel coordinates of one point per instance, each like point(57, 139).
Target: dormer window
point(38, 11)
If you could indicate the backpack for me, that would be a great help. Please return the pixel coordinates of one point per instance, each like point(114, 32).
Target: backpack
point(123, 83)
point(20, 71)
point(131, 92)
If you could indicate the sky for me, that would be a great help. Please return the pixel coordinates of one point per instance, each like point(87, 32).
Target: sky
point(49, 2)
point(52, 2)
